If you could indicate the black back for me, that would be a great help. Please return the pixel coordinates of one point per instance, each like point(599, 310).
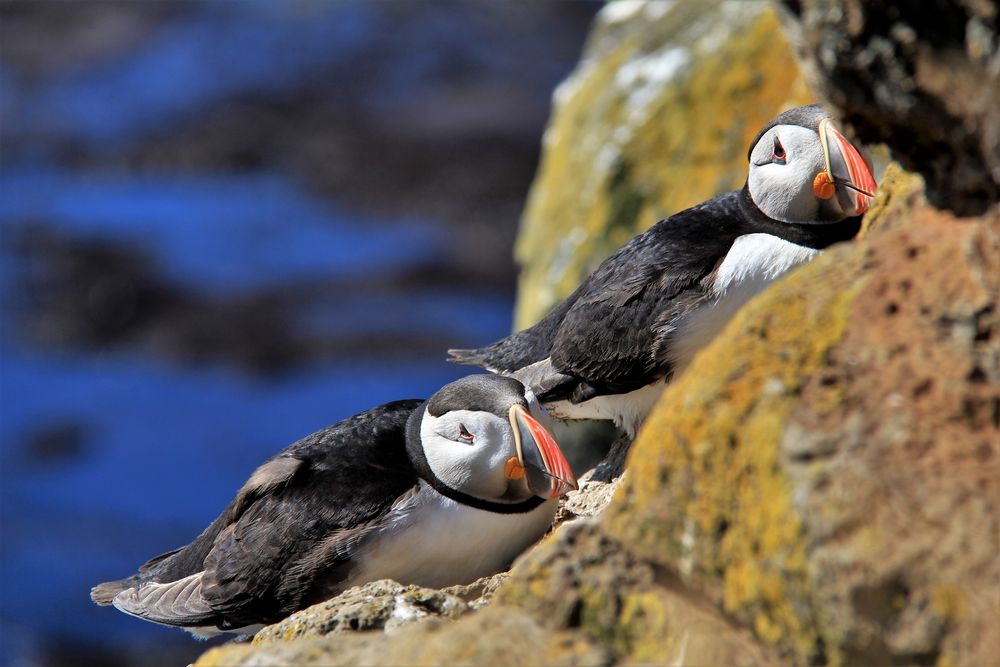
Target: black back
point(277, 545)
point(610, 336)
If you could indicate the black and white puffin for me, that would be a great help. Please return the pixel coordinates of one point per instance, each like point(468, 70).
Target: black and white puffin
point(435, 493)
point(607, 351)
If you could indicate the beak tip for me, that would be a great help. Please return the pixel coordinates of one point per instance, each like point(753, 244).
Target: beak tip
point(848, 170)
point(548, 473)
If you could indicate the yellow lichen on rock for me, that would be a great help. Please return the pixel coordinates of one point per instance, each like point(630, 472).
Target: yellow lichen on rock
point(898, 190)
point(585, 580)
point(656, 118)
point(706, 493)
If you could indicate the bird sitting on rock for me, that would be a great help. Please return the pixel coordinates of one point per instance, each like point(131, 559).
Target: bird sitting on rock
point(609, 349)
point(433, 493)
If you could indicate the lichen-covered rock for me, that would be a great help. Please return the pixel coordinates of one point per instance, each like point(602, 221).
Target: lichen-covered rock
point(656, 118)
point(376, 607)
point(493, 636)
point(832, 480)
point(640, 612)
point(379, 605)
point(921, 77)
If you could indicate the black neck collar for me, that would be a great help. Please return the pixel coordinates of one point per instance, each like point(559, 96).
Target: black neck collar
point(816, 236)
point(415, 451)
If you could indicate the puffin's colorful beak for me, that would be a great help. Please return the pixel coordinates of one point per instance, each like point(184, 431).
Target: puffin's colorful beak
point(546, 469)
point(846, 170)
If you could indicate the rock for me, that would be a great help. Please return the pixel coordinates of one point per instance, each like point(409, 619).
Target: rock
point(480, 591)
point(360, 611)
point(840, 497)
point(598, 485)
point(493, 636)
point(590, 500)
point(899, 191)
point(925, 80)
point(586, 580)
point(655, 118)
point(379, 605)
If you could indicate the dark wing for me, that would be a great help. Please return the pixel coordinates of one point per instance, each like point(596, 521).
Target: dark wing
point(604, 338)
point(290, 529)
point(615, 336)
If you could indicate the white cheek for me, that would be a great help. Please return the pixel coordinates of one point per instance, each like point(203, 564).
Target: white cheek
point(446, 462)
point(476, 468)
point(782, 193)
point(785, 191)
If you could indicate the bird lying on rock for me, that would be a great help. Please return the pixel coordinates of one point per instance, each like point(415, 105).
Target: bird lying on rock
point(434, 493)
point(608, 350)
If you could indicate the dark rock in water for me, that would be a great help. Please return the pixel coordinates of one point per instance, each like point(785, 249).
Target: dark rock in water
point(55, 443)
point(76, 32)
point(87, 292)
point(320, 195)
point(922, 77)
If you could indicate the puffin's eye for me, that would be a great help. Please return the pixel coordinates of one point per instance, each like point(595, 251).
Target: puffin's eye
point(778, 156)
point(463, 434)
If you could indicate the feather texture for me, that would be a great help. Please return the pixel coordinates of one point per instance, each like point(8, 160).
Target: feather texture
point(288, 536)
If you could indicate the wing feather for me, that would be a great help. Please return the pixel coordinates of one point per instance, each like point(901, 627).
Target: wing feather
point(244, 568)
point(174, 603)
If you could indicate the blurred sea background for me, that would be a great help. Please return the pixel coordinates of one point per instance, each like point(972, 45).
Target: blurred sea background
point(223, 226)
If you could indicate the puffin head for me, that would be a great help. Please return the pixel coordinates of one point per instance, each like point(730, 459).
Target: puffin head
point(482, 440)
point(803, 170)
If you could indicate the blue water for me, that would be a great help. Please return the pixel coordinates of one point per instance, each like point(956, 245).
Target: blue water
point(163, 446)
point(220, 50)
point(216, 233)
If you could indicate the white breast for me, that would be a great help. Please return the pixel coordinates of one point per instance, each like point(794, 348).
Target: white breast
point(757, 259)
point(753, 262)
point(434, 541)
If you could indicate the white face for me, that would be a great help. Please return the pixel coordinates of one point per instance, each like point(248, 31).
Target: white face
point(467, 450)
point(783, 165)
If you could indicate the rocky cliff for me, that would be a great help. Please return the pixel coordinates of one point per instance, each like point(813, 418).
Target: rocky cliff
point(822, 486)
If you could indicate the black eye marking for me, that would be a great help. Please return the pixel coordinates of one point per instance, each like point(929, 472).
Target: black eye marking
point(778, 155)
point(464, 435)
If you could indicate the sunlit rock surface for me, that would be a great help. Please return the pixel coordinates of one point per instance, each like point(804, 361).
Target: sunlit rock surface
point(821, 486)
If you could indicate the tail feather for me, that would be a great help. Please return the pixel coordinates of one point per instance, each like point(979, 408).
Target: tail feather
point(467, 357)
point(103, 594)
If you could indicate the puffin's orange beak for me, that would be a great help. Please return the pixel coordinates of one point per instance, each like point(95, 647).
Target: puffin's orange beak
point(846, 173)
point(539, 458)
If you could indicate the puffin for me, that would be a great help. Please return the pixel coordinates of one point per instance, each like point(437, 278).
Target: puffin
point(609, 349)
point(434, 493)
